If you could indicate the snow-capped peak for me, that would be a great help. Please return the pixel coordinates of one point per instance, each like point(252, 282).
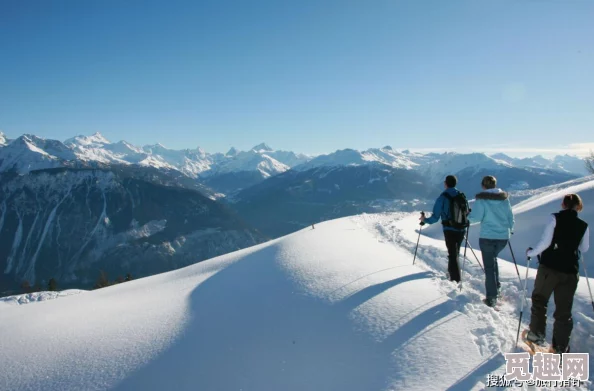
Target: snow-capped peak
point(2, 139)
point(95, 139)
point(262, 148)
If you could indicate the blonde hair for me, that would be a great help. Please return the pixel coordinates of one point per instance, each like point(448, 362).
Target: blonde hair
point(573, 201)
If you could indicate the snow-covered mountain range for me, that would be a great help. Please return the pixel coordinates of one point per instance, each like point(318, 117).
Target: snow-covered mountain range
point(29, 152)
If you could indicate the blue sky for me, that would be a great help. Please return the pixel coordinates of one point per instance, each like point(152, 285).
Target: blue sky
point(310, 75)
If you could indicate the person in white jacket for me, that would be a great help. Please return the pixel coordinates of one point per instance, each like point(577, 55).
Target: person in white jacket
point(566, 237)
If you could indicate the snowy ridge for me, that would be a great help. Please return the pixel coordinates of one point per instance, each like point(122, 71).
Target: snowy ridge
point(350, 157)
point(454, 163)
point(250, 161)
point(340, 306)
point(564, 163)
point(29, 152)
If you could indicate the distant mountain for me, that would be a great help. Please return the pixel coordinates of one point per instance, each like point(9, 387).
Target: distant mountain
point(350, 182)
point(241, 170)
point(564, 163)
point(351, 157)
point(227, 173)
point(69, 224)
point(30, 152)
point(295, 199)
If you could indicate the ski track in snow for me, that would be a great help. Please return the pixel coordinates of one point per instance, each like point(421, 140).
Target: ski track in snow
point(500, 330)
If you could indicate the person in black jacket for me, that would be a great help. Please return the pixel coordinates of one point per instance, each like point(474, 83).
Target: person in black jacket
point(564, 240)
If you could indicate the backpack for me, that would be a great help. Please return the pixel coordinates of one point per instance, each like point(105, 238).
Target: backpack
point(458, 213)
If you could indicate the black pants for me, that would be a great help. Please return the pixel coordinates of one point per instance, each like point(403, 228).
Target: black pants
point(453, 241)
point(563, 285)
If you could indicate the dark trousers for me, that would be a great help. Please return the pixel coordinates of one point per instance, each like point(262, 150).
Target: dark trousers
point(453, 240)
point(563, 285)
point(490, 248)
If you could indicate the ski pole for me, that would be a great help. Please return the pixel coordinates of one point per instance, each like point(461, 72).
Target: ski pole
point(418, 239)
point(523, 300)
point(514, 258)
point(473, 253)
point(587, 281)
point(464, 262)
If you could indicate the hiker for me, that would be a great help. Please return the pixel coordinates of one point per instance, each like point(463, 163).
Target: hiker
point(565, 239)
point(493, 210)
point(453, 234)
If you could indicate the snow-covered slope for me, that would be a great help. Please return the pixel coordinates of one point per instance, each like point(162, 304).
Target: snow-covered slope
point(338, 307)
point(3, 140)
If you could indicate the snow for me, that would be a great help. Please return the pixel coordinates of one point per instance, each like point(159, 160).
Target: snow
point(37, 297)
point(338, 307)
point(350, 157)
point(454, 163)
point(263, 147)
point(250, 161)
point(566, 163)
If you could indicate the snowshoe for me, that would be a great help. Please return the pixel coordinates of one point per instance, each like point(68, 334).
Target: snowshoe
point(535, 343)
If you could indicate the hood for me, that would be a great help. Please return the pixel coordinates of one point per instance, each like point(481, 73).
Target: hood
point(493, 194)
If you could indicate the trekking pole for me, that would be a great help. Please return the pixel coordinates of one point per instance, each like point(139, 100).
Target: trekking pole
point(473, 253)
point(464, 262)
point(419, 238)
point(514, 258)
point(523, 300)
point(587, 281)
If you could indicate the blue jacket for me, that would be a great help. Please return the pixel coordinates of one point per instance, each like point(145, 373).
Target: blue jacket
point(493, 210)
point(441, 209)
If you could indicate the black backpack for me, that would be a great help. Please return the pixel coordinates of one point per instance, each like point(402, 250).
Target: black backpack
point(458, 214)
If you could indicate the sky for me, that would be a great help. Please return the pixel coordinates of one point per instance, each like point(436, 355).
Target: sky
point(310, 76)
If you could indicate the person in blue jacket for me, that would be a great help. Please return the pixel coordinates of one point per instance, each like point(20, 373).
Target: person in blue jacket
point(493, 210)
point(453, 237)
